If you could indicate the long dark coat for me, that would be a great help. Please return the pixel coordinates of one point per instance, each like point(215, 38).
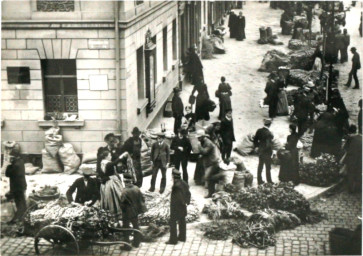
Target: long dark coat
point(179, 199)
point(327, 138)
point(289, 168)
point(201, 107)
point(16, 173)
point(353, 161)
point(227, 131)
point(232, 24)
point(240, 28)
point(224, 94)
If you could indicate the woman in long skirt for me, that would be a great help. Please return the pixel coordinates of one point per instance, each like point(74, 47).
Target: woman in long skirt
point(224, 93)
point(282, 103)
point(289, 168)
point(112, 186)
point(201, 107)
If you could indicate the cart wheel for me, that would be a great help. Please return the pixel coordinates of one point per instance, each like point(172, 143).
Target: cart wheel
point(55, 240)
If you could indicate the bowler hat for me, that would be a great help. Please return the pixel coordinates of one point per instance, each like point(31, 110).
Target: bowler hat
point(176, 89)
point(176, 173)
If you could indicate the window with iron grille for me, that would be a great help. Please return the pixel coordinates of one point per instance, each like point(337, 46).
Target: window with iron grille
point(60, 86)
point(55, 5)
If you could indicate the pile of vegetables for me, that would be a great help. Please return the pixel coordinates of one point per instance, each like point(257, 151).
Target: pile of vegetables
point(158, 209)
point(55, 210)
point(258, 231)
point(280, 196)
point(323, 173)
point(223, 207)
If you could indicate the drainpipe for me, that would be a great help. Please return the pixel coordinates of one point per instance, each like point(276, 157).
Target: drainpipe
point(117, 67)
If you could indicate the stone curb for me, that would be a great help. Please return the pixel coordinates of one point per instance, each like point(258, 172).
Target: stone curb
point(329, 189)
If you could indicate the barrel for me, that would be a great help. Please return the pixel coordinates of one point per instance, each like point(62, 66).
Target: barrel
point(238, 180)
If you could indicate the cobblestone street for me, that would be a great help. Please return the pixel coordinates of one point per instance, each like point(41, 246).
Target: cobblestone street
point(342, 210)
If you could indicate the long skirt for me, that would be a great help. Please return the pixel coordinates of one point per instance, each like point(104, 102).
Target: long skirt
point(282, 104)
point(201, 109)
point(199, 172)
point(111, 193)
point(289, 166)
point(224, 104)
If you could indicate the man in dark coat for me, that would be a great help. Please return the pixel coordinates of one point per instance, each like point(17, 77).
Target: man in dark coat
point(344, 47)
point(160, 156)
point(271, 100)
point(87, 190)
point(263, 140)
point(227, 132)
point(301, 111)
point(179, 199)
point(133, 146)
point(16, 173)
point(232, 24)
point(178, 109)
point(182, 148)
point(133, 204)
point(354, 70)
point(240, 27)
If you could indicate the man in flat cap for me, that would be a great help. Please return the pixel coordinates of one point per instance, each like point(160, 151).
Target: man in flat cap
point(133, 146)
point(160, 157)
point(133, 204)
point(263, 140)
point(87, 189)
point(179, 199)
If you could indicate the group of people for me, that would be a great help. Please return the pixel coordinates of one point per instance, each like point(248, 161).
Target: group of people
point(237, 24)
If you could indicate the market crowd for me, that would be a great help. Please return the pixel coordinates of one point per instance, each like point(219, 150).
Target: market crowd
point(119, 173)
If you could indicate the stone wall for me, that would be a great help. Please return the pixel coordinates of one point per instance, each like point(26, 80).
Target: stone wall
point(23, 105)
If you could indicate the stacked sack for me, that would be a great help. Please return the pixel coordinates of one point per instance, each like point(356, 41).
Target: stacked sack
point(89, 162)
point(55, 150)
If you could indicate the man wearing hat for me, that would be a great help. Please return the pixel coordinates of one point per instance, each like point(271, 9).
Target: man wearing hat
point(133, 146)
point(178, 109)
point(133, 204)
point(179, 199)
point(302, 108)
point(263, 140)
point(210, 155)
point(87, 189)
point(15, 170)
point(182, 148)
point(160, 157)
point(111, 142)
point(354, 70)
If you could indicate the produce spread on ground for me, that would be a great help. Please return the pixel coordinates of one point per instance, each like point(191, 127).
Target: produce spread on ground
point(272, 207)
point(323, 173)
point(158, 212)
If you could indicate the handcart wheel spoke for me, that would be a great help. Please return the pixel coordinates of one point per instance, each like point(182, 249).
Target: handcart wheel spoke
point(57, 236)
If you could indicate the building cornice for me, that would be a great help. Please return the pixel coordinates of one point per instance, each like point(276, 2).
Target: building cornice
point(83, 24)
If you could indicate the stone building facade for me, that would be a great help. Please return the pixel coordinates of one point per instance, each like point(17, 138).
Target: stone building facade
point(60, 56)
